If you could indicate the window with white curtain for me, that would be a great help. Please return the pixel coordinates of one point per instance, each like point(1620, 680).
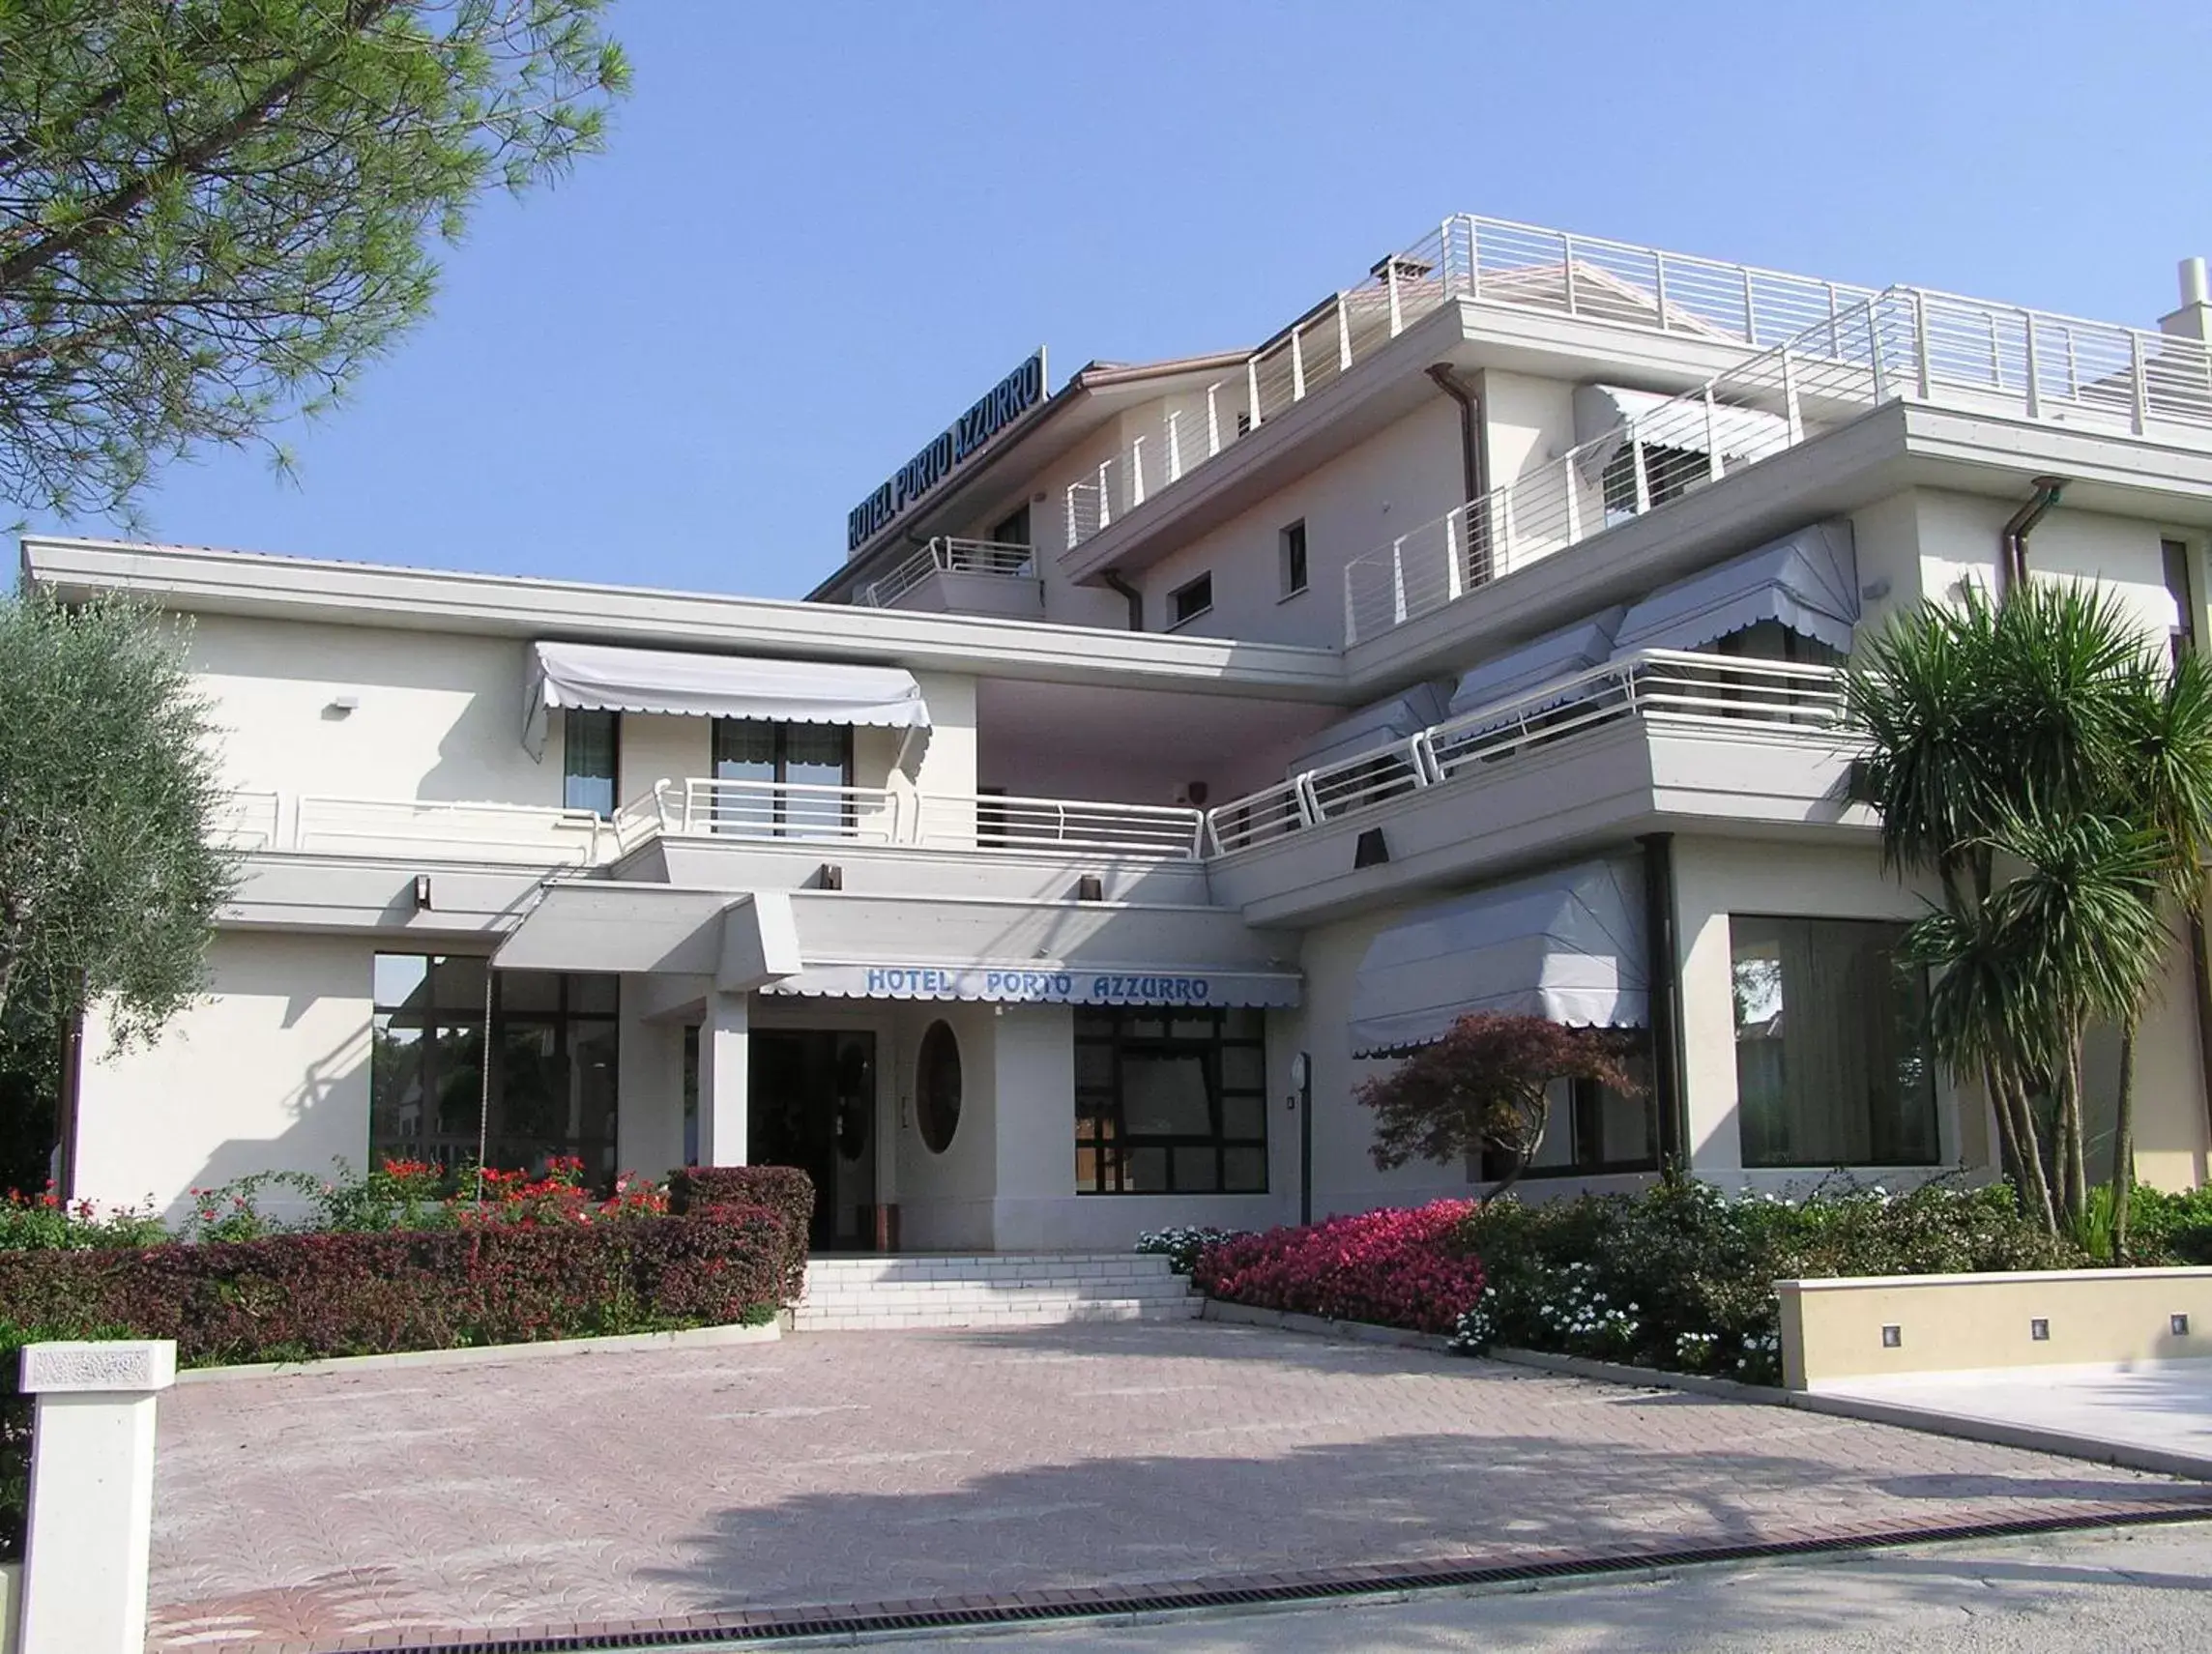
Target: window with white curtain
point(1831, 1055)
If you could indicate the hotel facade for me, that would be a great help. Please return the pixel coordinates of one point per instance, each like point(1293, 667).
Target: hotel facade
point(1171, 750)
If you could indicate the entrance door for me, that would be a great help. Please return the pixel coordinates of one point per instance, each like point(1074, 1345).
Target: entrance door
point(812, 1105)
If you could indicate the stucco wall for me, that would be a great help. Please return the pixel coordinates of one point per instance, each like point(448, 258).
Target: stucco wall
point(440, 715)
point(269, 1073)
point(1402, 477)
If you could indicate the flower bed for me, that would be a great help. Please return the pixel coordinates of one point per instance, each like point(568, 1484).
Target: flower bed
point(1394, 1267)
point(1679, 1277)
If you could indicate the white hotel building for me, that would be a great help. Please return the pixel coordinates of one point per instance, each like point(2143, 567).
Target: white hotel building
point(1172, 747)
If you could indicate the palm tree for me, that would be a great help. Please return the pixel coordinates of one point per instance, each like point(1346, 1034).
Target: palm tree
point(2167, 739)
point(2000, 739)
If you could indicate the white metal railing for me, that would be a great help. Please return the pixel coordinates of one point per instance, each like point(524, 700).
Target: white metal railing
point(494, 833)
point(877, 815)
point(248, 820)
point(997, 820)
point(1492, 261)
point(947, 555)
point(1905, 343)
point(714, 807)
point(1673, 687)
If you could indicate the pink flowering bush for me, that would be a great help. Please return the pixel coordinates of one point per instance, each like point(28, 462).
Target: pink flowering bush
point(1400, 1267)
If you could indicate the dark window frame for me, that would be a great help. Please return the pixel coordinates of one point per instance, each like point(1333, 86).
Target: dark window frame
point(1906, 975)
point(571, 716)
point(505, 1148)
point(1101, 1131)
point(1177, 615)
point(1296, 569)
point(780, 817)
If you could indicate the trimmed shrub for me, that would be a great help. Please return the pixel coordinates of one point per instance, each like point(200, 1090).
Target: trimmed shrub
point(293, 1297)
point(1682, 1277)
point(784, 1190)
point(2168, 1229)
point(1396, 1269)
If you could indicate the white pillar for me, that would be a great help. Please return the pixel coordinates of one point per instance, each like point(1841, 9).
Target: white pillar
point(92, 1494)
point(724, 1063)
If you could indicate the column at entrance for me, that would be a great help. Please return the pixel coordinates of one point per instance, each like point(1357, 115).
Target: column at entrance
point(725, 1063)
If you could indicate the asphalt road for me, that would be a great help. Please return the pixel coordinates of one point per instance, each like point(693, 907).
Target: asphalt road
point(2109, 1593)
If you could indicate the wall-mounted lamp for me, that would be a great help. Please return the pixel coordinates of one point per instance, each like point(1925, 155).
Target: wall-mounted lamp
point(421, 892)
point(1089, 887)
point(341, 706)
point(832, 876)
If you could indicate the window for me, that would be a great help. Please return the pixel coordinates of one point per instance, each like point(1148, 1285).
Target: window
point(552, 1082)
point(1668, 473)
point(1294, 558)
point(2174, 555)
point(590, 754)
point(1831, 1056)
point(1170, 1102)
point(937, 1088)
point(1015, 529)
point(766, 759)
point(1589, 1129)
point(1186, 602)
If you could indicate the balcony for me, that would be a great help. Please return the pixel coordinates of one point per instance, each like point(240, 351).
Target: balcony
point(312, 823)
point(961, 576)
point(788, 813)
point(1488, 261)
point(1901, 344)
point(1657, 742)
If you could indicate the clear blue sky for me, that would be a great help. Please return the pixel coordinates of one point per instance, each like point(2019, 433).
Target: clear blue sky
point(820, 230)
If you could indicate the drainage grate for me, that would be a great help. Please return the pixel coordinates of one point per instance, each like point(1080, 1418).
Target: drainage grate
point(775, 1626)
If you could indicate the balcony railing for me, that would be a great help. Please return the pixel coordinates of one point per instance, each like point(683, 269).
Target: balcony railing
point(1492, 261)
point(325, 823)
point(765, 811)
point(1666, 686)
point(946, 555)
point(1903, 343)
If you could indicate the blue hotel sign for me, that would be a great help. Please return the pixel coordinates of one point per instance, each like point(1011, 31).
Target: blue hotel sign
point(994, 412)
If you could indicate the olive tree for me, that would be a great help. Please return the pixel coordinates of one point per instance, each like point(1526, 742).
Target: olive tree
point(110, 876)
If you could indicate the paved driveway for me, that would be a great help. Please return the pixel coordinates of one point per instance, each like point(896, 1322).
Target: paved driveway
point(865, 1467)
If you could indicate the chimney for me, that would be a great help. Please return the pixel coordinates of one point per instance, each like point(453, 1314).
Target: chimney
point(2193, 320)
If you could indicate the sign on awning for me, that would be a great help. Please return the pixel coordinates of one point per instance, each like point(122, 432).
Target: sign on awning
point(1042, 982)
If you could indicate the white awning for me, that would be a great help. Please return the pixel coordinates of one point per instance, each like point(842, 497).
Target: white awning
point(1398, 719)
point(1044, 982)
point(1809, 582)
point(600, 678)
point(1740, 435)
point(1567, 945)
point(1561, 655)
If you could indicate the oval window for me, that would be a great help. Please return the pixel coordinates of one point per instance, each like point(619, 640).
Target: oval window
point(937, 1088)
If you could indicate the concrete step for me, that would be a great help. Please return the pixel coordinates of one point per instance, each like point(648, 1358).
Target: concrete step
point(1001, 1290)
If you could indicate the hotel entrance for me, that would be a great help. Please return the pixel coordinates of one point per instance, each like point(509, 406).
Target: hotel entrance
point(812, 1105)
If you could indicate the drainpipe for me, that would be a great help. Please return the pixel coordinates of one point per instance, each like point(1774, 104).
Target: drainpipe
point(1663, 981)
point(1470, 455)
point(2021, 524)
point(1135, 597)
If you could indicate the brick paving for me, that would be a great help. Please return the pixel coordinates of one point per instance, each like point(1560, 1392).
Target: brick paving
point(681, 1487)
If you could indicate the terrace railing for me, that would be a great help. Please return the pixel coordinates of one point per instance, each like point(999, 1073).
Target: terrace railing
point(1668, 687)
point(946, 555)
point(1903, 343)
point(1492, 261)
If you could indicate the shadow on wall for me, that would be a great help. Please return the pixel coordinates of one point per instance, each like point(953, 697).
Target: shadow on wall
point(240, 1083)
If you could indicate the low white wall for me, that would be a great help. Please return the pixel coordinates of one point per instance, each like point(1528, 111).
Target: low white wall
point(270, 1072)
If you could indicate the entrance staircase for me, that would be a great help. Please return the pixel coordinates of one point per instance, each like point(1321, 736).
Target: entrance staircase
point(1009, 1288)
